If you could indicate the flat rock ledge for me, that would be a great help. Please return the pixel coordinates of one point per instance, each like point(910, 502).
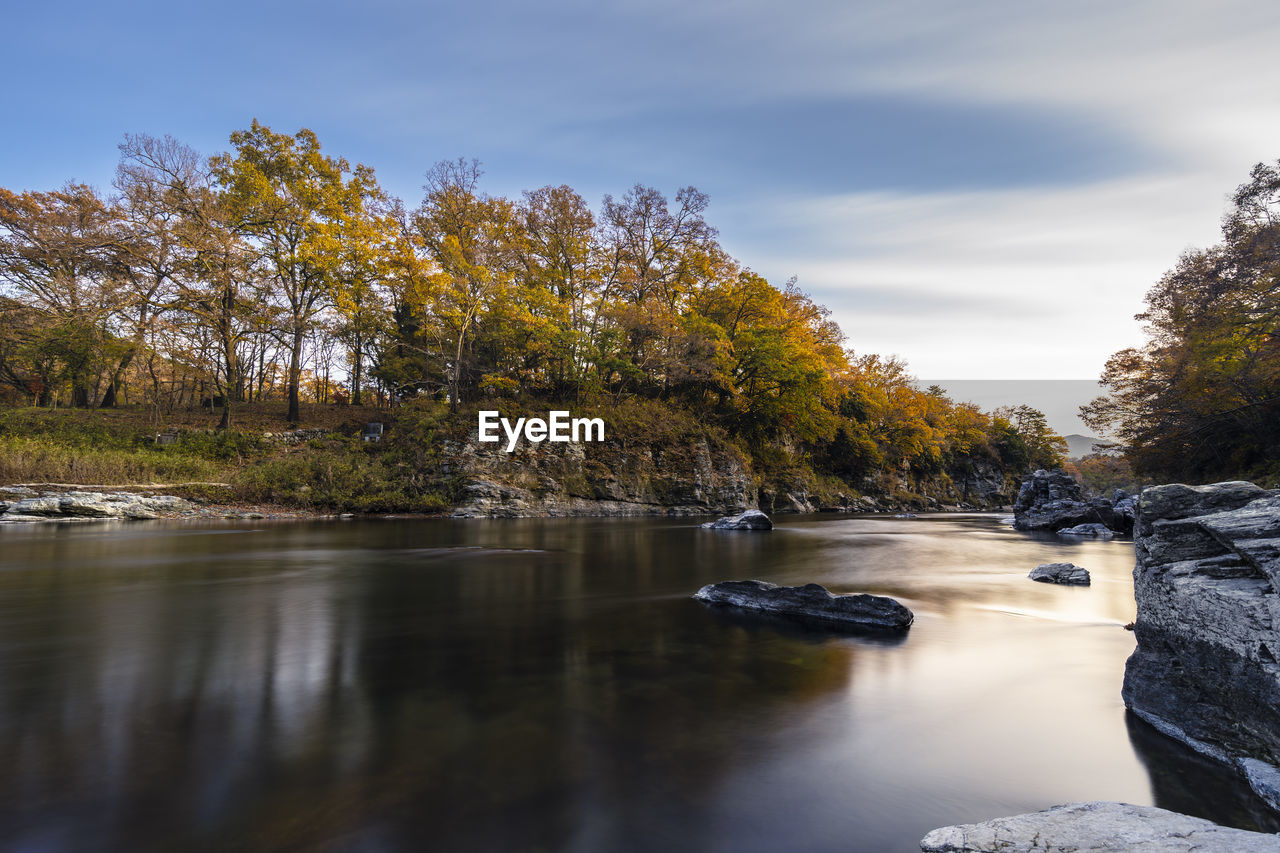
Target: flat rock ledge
point(811, 603)
point(22, 505)
point(752, 519)
point(1068, 574)
point(1098, 826)
point(69, 506)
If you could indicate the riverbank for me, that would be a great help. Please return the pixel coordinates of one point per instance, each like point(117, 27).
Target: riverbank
point(657, 459)
point(71, 503)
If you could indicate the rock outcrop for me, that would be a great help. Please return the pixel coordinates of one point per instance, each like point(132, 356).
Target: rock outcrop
point(1052, 500)
point(605, 479)
point(1206, 668)
point(811, 603)
point(91, 505)
point(752, 519)
point(1064, 573)
point(1081, 827)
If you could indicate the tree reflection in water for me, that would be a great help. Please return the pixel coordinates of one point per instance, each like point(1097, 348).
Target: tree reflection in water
point(540, 685)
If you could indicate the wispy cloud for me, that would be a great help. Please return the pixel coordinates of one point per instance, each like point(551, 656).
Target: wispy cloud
point(986, 188)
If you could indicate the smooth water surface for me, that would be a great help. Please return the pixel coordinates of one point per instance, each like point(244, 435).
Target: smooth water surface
point(549, 685)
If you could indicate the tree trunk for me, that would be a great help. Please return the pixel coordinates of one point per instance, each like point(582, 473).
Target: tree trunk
point(295, 374)
point(359, 364)
point(457, 374)
point(109, 400)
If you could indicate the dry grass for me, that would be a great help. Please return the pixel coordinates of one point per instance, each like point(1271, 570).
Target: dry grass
point(25, 460)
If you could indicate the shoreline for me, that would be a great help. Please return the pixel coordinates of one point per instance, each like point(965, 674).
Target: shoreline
point(87, 500)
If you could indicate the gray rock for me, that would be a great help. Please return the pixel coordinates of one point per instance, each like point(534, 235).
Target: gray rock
point(1063, 573)
point(1125, 507)
point(1263, 778)
point(752, 519)
point(94, 505)
point(1052, 500)
point(1096, 531)
point(1175, 500)
point(47, 505)
point(1099, 826)
point(599, 479)
point(1205, 670)
point(811, 603)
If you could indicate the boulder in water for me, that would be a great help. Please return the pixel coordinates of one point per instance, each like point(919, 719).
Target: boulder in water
point(1064, 573)
point(752, 519)
point(811, 603)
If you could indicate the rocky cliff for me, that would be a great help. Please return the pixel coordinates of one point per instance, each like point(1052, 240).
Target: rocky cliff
point(1205, 671)
point(692, 477)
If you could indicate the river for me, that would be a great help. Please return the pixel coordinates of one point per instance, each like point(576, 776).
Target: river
point(548, 685)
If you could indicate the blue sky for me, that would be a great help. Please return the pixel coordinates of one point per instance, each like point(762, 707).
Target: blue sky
point(986, 189)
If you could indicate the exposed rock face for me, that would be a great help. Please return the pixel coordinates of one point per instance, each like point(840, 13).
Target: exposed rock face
point(973, 482)
point(752, 519)
point(1063, 573)
point(811, 603)
point(1052, 500)
point(1080, 827)
point(1205, 671)
point(791, 500)
point(86, 505)
point(981, 483)
point(605, 479)
point(1125, 508)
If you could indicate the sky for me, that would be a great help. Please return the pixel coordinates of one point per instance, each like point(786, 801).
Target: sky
point(986, 189)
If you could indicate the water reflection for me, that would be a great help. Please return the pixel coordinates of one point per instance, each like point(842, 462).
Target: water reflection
point(1185, 781)
point(545, 685)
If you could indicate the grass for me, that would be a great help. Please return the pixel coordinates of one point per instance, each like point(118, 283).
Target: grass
point(118, 448)
point(39, 460)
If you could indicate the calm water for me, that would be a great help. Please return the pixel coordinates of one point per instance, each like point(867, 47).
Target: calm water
point(549, 685)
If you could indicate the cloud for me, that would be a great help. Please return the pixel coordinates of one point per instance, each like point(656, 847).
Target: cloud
point(1013, 283)
point(987, 188)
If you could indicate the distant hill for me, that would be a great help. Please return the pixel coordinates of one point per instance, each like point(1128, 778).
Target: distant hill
point(1059, 399)
point(1080, 445)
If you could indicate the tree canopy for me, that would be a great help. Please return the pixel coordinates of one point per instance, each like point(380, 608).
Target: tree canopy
point(275, 270)
point(1201, 400)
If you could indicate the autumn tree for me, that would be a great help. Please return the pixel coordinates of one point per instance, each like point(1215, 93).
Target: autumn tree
point(653, 257)
point(469, 236)
point(60, 251)
point(556, 254)
point(187, 245)
point(154, 179)
point(1201, 400)
point(293, 202)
